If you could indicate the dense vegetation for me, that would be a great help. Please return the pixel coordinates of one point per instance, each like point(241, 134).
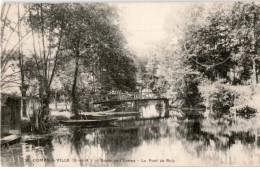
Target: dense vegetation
point(76, 51)
point(220, 42)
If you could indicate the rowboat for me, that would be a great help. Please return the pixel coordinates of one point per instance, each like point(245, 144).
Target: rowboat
point(95, 117)
point(87, 122)
point(108, 115)
point(100, 112)
point(11, 139)
point(121, 114)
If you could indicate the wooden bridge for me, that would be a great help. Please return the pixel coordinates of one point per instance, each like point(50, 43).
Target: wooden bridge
point(129, 97)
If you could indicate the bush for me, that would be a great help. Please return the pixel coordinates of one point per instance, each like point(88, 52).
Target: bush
point(246, 112)
point(61, 117)
point(26, 126)
point(222, 99)
point(188, 94)
point(42, 125)
point(53, 121)
point(4, 134)
point(219, 96)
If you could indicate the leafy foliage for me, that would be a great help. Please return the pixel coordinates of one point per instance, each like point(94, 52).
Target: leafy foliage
point(222, 38)
point(188, 92)
point(222, 99)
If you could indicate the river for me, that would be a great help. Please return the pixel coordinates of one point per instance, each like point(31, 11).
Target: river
point(155, 139)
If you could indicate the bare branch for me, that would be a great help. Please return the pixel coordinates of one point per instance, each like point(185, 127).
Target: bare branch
point(7, 55)
point(56, 58)
point(34, 56)
point(43, 43)
point(9, 81)
point(204, 65)
point(5, 87)
point(14, 73)
point(13, 30)
point(3, 28)
point(3, 9)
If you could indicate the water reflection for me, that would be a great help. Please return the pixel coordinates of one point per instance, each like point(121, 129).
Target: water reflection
point(152, 109)
point(190, 141)
point(29, 154)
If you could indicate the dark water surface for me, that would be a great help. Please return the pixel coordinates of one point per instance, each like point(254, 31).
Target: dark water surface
point(154, 142)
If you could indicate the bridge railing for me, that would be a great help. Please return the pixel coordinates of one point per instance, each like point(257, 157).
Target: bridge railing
point(125, 96)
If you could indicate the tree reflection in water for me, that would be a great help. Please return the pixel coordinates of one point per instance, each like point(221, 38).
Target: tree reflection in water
point(31, 153)
point(216, 142)
point(189, 141)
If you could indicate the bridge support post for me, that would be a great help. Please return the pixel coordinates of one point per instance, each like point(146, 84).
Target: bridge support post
point(167, 105)
point(135, 103)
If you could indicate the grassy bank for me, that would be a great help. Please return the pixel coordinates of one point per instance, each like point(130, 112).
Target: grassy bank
point(225, 97)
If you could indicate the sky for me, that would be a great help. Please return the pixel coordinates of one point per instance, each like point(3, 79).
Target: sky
point(144, 24)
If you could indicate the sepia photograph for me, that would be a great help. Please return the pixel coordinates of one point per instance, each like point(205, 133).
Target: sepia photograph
point(130, 84)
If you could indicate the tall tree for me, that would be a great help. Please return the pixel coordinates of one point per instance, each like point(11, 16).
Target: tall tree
point(23, 86)
point(9, 73)
point(208, 45)
point(93, 40)
point(246, 35)
point(46, 22)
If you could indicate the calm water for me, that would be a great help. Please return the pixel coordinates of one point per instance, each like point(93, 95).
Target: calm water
point(155, 142)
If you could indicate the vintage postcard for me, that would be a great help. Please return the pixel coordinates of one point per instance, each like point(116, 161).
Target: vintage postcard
point(130, 84)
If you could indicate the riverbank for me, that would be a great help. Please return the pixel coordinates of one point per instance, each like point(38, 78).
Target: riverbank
point(138, 141)
point(223, 96)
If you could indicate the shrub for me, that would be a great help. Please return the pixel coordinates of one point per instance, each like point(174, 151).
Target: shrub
point(61, 117)
point(4, 134)
point(42, 125)
point(246, 112)
point(26, 125)
point(219, 96)
point(222, 99)
point(188, 94)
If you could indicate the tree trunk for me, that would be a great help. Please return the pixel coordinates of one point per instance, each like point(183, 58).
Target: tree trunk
point(56, 108)
point(257, 73)
point(23, 87)
point(74, 105)
point(24, 102)
point(44, 125)
point(254, 72)
point(255, 48)
point(65, 102)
